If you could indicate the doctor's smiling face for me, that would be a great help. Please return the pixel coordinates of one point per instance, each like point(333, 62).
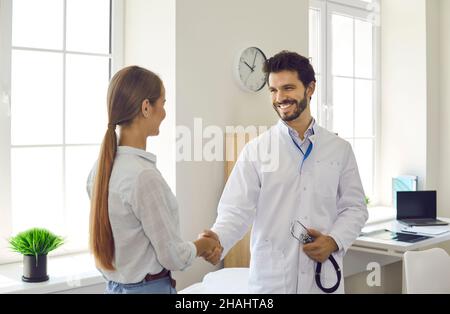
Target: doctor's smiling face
point(292, 82)
point(290, 98)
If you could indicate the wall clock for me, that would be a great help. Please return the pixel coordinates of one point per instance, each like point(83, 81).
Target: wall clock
point(250, 69)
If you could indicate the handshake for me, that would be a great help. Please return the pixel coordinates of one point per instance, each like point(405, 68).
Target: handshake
point(208, 246)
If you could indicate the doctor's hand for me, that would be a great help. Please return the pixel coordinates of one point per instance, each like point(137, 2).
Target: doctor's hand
point(206, 246)
point(212, 257)
point(322, 247)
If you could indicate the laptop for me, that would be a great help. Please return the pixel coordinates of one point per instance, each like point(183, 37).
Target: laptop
point(418, 208)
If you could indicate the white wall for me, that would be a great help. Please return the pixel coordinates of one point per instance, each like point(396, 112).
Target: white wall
point(210, 34)
point(150, 43)
point(415, 95)
point(404, 92)
point(433, 94)
point(444, 165)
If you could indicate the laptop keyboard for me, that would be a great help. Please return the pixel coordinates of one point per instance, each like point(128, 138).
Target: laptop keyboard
point(423, 221)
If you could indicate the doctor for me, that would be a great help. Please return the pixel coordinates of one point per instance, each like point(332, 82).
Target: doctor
point(315, 182)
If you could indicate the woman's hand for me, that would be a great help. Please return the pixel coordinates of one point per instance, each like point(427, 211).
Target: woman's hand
point(212, 256)
point(207, 247)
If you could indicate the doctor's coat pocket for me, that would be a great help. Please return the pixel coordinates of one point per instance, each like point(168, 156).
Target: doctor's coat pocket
point(267, 272)
point(326, 178)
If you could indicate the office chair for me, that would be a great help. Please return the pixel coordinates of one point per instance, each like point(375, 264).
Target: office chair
point(427, 271)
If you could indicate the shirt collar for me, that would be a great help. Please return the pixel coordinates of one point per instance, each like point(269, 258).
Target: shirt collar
point(310, 132)
point(127, 150)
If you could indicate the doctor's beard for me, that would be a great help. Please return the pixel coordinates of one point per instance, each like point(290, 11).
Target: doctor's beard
point(300, 107)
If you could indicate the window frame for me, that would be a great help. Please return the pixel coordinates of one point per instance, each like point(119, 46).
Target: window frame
point(359, 4)
point(116, 56)
point(361, 10)
point(322, 110)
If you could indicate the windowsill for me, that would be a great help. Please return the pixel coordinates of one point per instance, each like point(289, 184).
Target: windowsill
point(379, 214)
point(66, 273)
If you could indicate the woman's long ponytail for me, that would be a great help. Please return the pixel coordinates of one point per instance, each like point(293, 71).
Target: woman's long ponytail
point(101, 239)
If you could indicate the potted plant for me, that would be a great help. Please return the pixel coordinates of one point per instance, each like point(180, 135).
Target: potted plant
point(34, 245)
point(367, 200)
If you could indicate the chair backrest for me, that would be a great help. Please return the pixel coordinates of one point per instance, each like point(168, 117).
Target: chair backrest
point(427, 271)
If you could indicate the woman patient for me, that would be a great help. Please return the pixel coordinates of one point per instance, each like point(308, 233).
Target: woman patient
point(134, 219)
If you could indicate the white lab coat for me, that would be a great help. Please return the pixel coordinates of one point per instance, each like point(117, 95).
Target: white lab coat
point(325, 193)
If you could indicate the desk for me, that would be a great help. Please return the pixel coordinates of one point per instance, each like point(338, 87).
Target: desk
point(366, 249)
point(391, 247)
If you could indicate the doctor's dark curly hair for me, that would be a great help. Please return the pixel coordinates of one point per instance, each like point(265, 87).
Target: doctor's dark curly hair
point(291, 61)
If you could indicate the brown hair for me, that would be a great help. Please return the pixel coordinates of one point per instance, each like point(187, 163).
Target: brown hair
point(291, 61)
point(127, 90)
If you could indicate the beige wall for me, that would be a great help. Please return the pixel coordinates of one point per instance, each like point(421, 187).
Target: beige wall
point(433, 93)
point(444, 113)
point(444, 165)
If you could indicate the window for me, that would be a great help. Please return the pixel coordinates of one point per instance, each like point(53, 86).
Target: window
point(344, 49)
point(57, 59)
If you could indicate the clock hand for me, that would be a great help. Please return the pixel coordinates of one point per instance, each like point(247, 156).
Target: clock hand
point(254, 60)
point(249, 66)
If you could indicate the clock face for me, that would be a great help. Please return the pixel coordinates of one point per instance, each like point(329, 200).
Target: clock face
point(250, 69)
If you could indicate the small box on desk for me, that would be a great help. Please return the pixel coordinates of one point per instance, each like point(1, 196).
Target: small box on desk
point(403, 184)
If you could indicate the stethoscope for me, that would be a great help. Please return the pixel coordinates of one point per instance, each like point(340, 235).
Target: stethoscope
point(305, 238)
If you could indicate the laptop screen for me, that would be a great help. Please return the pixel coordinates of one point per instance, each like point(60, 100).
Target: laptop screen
point(416, 205)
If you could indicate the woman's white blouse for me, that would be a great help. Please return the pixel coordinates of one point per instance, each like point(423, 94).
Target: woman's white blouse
point(144, 218)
